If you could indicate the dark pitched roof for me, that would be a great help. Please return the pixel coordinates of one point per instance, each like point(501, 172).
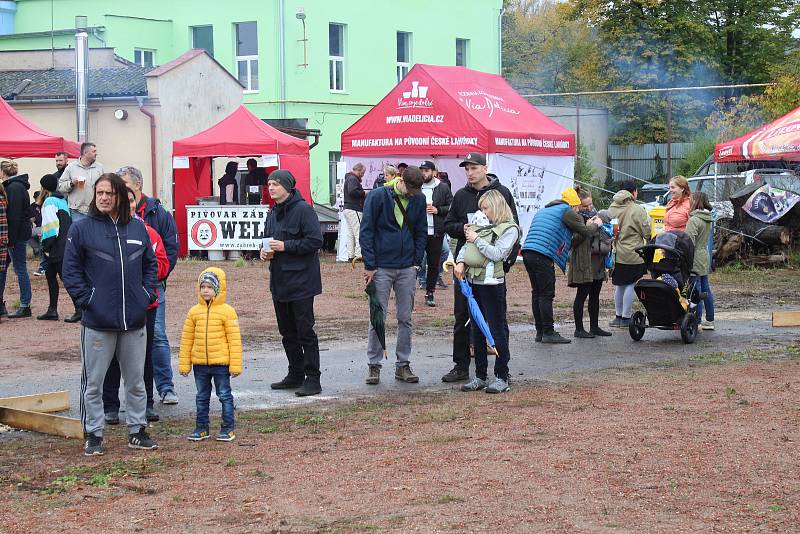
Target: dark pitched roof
point(46, 84)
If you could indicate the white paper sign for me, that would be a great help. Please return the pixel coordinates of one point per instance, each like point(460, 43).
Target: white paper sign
point(180, 162)
point(269, 160)
point(254, 189)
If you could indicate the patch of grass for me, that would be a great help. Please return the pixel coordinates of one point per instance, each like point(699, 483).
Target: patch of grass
point(447, 499)
point(441, 322)
point(442, 439)
point(791, 351)
point(178, 498)
point(438, 415)
point(258, 473)
point(241, 262)
point(232, 462)
point(356, 296)
point(729, 392)
point(776, 508)
point(60, 485)
point(267, 429)
point(100, 480)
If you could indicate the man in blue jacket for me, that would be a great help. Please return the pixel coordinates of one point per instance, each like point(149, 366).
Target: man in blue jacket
point(154, 214)
point(547, 243)
point(394, 232)
point(294, 280)
point(109, 270)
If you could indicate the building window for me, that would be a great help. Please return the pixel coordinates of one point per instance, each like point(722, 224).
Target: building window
point(247, 55)
point(462, 51)
point(403, 54)
point(203, 37)
point(144, 57)
point(336, 57)
point(333, 159)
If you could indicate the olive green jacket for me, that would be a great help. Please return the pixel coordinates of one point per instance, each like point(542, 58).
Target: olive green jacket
point(699, 230)
point(634, 229)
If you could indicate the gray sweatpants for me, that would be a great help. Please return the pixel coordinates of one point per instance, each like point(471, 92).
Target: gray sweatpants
point(404, 282)
point(97, 349)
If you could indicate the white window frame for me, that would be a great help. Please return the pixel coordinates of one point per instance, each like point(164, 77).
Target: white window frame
point(466, 51)
point(249, 60)
point(142, 52)
point(191, 33)
point(404, 66)
point(333, 61)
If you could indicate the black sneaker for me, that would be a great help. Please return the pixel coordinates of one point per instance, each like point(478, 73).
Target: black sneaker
point(141, 440)
point(554, 338)
point(429, 300)
point(151, 415)
point(289, 382)
point(456, 374)
point(74, 318)
point(112, 418)
point(93, 445)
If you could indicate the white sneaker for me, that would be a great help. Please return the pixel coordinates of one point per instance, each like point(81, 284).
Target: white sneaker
point(707, 325)
point(498, 386)
point(476, 384)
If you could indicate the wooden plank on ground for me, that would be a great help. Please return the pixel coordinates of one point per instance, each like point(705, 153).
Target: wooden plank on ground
point(56, 401)
point(786, 318)
point(41, 422)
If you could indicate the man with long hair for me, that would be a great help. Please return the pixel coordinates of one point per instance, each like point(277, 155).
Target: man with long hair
point(110, 272)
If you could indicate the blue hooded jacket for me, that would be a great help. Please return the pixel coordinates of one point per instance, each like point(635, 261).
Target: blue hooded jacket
point(383, 242)
point(110, 271)
point(162, 222)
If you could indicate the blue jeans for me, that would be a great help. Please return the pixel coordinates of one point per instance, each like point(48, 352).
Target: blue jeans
point(708, 301)
point(162, 365)
point(203, 375)
point(18, 257)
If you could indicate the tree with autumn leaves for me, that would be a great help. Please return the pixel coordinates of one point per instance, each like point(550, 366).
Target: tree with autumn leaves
point(595, 45)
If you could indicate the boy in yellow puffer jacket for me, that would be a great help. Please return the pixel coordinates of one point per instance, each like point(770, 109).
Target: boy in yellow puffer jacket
point(212, 343)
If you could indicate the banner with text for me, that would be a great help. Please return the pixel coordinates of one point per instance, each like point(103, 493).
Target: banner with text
point(225, 227)
point(534, 181)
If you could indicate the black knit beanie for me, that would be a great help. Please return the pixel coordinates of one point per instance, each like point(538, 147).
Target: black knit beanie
point(283, 177)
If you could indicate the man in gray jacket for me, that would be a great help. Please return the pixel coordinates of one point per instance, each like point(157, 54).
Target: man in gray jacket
point(353, 204)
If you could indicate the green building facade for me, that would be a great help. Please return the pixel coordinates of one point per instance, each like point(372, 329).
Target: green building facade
point(317, 64)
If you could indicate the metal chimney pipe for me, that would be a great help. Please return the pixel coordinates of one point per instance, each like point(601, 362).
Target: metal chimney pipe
point(82, 83)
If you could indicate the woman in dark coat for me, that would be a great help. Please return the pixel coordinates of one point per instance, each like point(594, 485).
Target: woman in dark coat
point(587, 271)
point(228, 186)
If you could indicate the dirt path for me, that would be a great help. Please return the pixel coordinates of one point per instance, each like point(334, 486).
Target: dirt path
point(698, 448)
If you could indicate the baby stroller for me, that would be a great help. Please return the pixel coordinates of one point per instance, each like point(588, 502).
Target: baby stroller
point(670, 297)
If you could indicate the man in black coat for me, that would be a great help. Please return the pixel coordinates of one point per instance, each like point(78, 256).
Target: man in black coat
point(294, 280)
point(438, 198)
point(463, 207)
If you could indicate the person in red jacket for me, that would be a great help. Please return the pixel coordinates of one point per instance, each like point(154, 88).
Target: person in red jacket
point(111, 383)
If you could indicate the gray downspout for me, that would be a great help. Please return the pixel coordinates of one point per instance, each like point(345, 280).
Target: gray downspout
point(282, 57)
point(81, 84)
point(500, 41)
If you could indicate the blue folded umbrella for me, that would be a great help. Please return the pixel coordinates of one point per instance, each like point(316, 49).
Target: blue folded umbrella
point(475, 312)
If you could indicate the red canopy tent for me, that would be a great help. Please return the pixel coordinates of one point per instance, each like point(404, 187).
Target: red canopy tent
point(778, 140)
point(240, 134)
point(459, 110)
point(21, 139)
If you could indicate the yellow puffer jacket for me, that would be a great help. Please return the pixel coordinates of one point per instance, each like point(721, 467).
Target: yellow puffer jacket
point(211, 332)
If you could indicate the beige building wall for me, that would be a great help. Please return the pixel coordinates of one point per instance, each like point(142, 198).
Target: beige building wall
point(186, 100)
point(119, 142)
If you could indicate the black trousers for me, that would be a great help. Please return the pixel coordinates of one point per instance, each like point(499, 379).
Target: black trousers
point(542, 275)
point(296, 326)
point(492, 300)
point(461, 332)
point(591, 290)
point(52, 273)
point(111, 383)
point(433, 249)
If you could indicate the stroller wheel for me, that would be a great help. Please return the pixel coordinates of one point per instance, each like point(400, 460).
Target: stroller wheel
point(689, 327)
point(637, 326)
